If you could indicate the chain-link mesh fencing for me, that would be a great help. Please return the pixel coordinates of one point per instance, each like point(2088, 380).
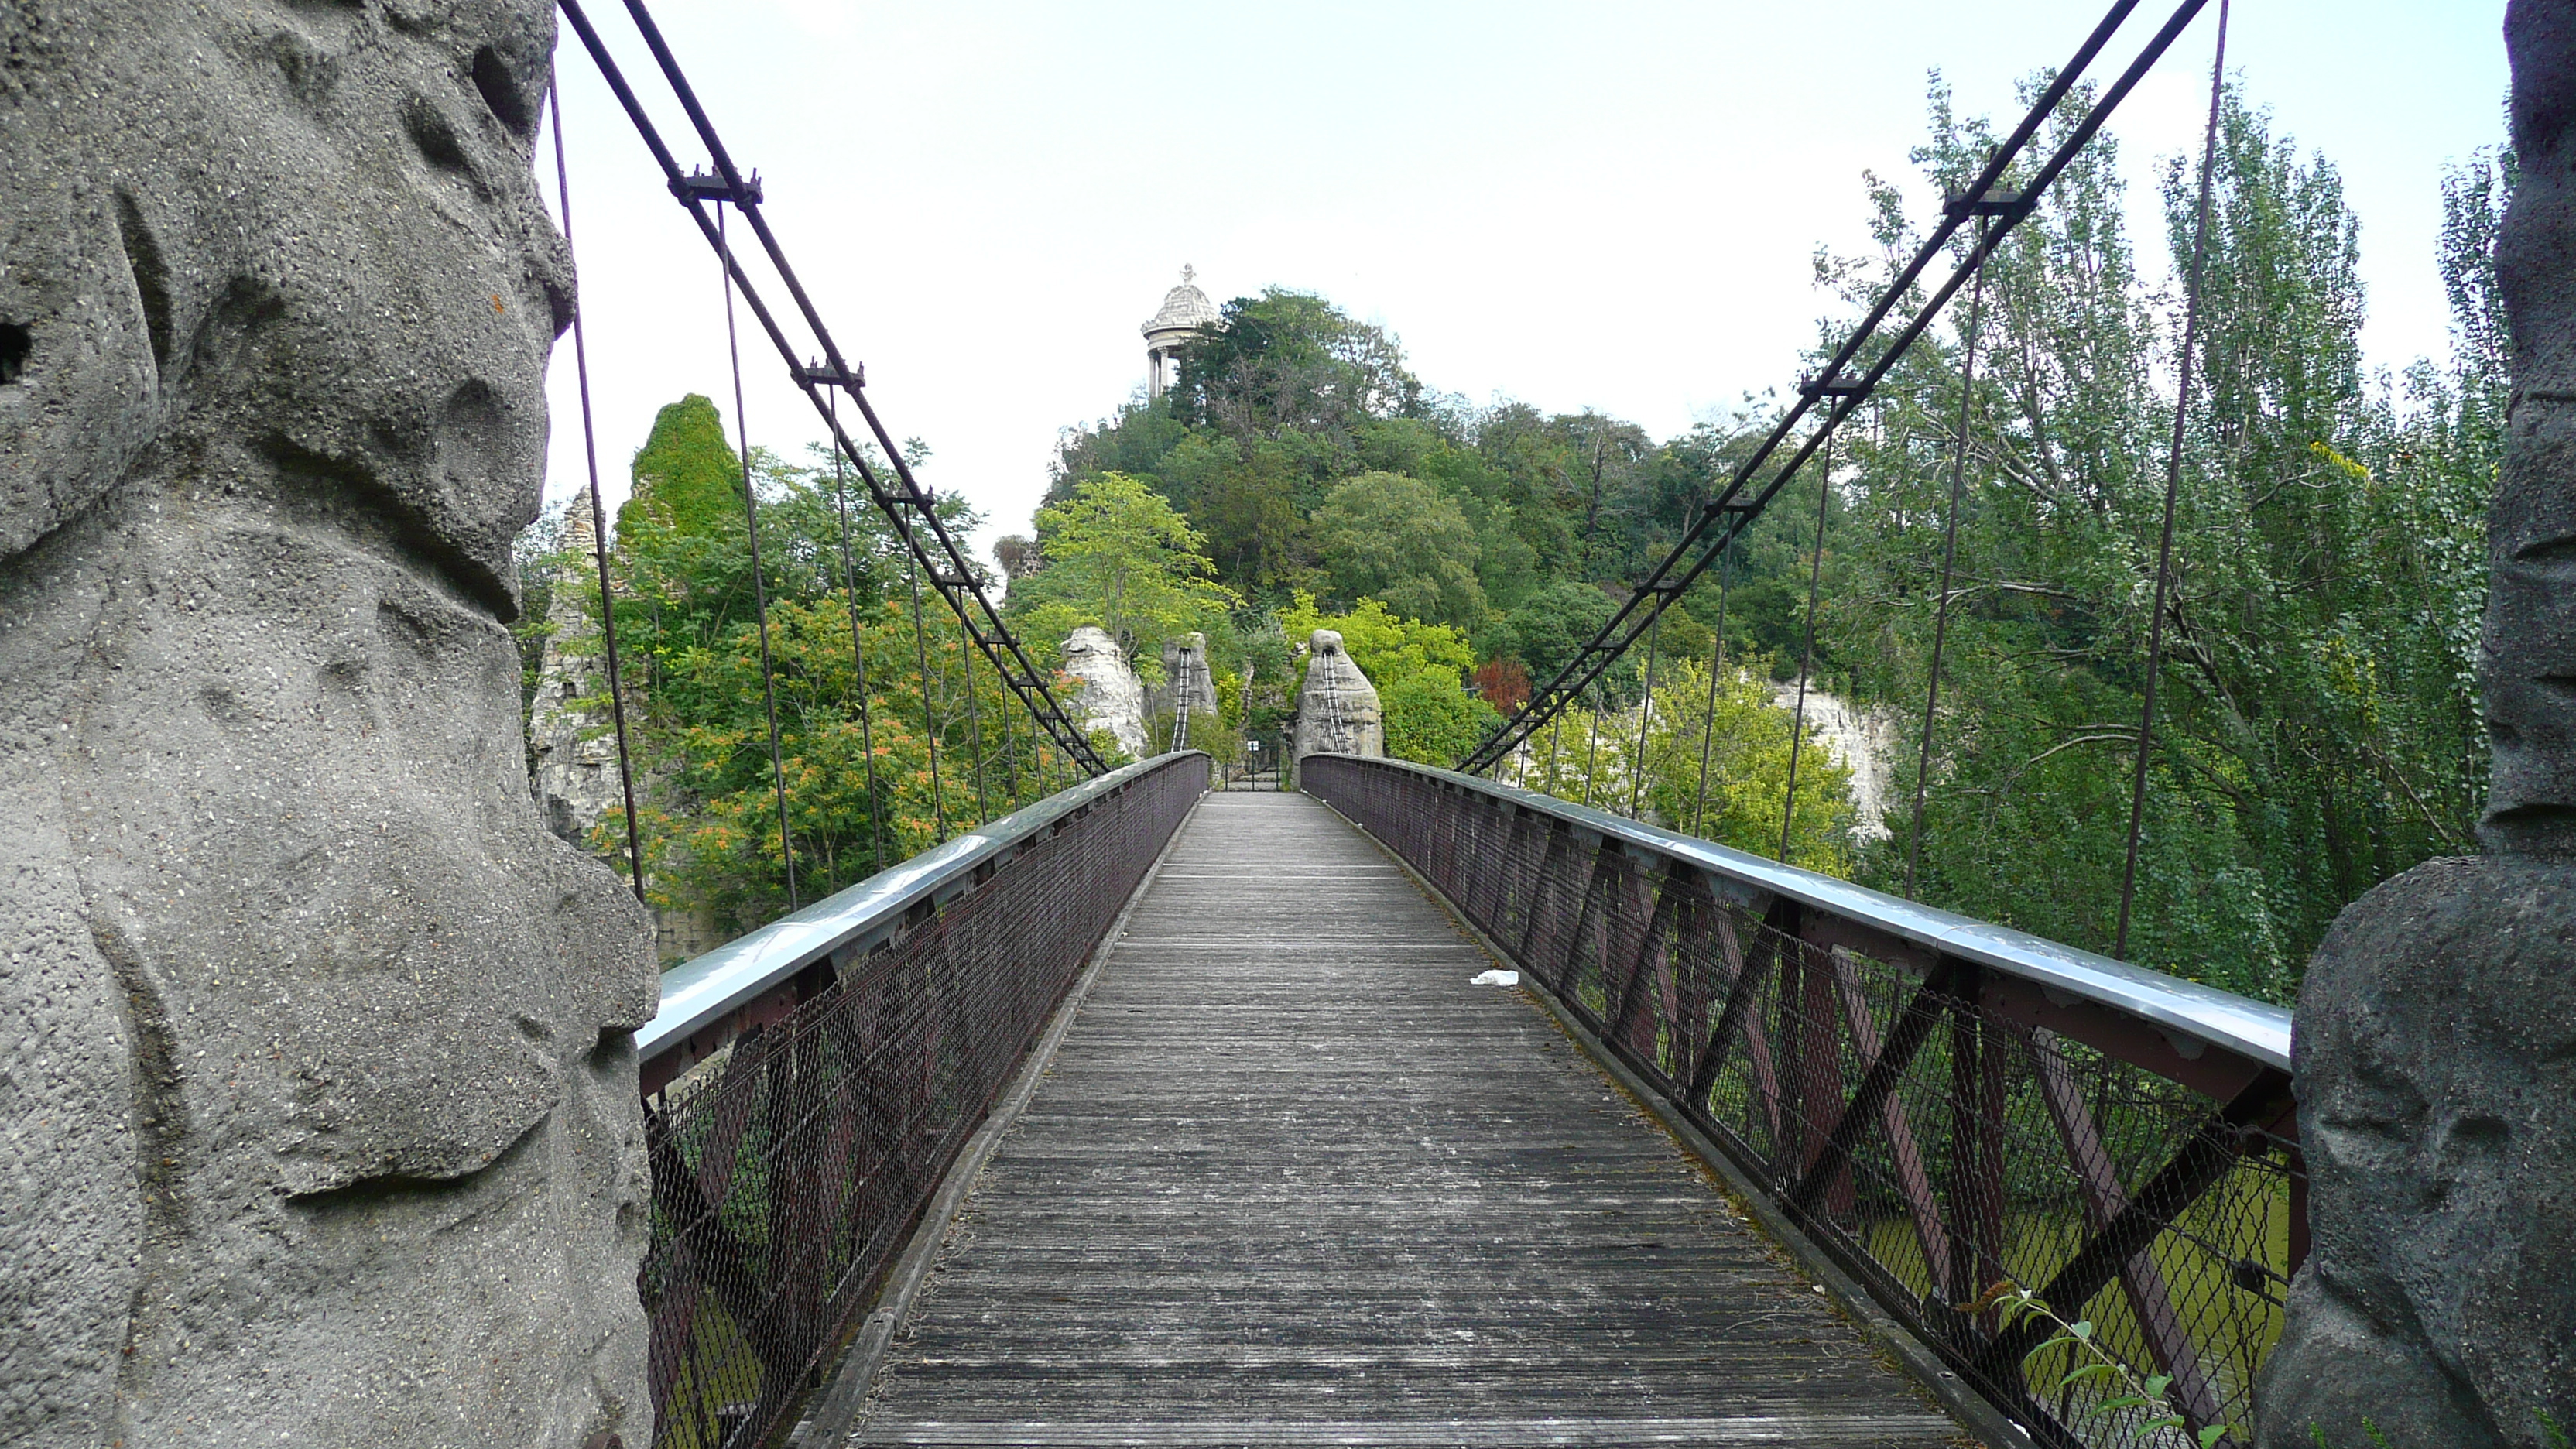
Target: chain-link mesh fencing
point(1937, 1126)
point(790, 1167)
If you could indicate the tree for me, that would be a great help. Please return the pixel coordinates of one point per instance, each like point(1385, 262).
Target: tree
point(1557, 620)
point(687, 473)
point(1592, 757)
point(1419, 670)
point(1119, 556)
point(1395, 537)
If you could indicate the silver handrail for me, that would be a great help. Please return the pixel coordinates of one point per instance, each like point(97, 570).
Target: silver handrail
point(2252, 1029)
point(705, 989)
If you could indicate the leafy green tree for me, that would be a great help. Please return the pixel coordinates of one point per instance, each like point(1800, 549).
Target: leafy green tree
point(1419, 670)
point(1546, 631)
point(687, 474)
point(1396, 538)
point(1119, 556)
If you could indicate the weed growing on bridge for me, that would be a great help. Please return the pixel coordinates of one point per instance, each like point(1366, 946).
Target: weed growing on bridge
point(2095, 1366)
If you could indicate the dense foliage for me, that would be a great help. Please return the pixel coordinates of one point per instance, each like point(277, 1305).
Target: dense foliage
point(950, 745)
point(2317, 728)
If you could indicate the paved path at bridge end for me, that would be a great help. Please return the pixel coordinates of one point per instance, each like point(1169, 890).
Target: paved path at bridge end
point(1293, 1180)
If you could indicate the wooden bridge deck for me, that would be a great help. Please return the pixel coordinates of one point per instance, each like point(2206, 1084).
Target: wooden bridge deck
point(1294, 1181)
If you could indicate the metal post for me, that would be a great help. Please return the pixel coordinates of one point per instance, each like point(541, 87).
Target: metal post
point(1716, 669)
point(859, 666)
point(1949, 558)
point(1645, 715)
point(930, 722)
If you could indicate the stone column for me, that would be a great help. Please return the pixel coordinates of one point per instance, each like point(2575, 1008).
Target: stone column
point(2436, 1039)
point(1109, 696)
point(320, 1074)
point(1337, 709)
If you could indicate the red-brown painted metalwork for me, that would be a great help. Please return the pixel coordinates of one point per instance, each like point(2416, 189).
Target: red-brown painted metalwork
point(811, 1122)
point(1933, 1120)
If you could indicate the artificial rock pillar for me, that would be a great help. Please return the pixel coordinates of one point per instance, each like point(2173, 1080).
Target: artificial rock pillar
point(320, 1070)
point(1188, 687)
point(1109, 696)
point(2436, 1039)
point(1337, 709)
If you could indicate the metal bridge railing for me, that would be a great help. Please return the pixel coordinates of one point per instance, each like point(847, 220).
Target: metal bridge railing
point(1940, 1104)
point(808, 1085)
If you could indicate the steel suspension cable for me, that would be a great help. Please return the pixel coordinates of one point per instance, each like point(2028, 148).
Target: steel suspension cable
point(1716, 669)
point(907, 506)
point(759, 586)
point(1645, 713)
point(859, 666)
point(1949, 558)
point(1012, 767)
point(598, 523)
point(2173, 484)
point(1592, 760)
point(1746, 496)
point(974, 727)
point(929, 722)
point(1807, 660)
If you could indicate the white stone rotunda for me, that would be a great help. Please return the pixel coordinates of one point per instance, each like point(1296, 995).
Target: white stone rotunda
point(1185, 310)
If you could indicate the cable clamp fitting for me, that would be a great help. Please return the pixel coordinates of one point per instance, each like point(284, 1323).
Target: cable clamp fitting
point(823, 374)
point(706, 186)
point(1996, 202)
point(1841, 384)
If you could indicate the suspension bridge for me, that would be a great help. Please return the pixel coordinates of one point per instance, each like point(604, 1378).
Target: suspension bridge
point(1413, 1107)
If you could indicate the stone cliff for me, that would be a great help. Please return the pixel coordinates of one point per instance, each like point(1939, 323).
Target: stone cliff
point(1109, 696)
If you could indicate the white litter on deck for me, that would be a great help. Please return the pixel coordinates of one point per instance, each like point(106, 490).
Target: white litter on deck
point(1495, 978)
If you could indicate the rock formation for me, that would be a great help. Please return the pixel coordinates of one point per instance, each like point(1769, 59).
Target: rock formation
point(1337, 709)
point(2436, 1040)
point(1110, 696)
point(573, 747)
point(1187, 685)
point(321, 1078)
point(1861, 741)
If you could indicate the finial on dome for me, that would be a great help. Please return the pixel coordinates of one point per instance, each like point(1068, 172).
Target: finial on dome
point(1189, 273)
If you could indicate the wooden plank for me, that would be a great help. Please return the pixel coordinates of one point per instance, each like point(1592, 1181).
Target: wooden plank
point(1294, 1181)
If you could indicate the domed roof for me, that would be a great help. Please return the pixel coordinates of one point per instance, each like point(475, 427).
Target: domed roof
point(1185, 308)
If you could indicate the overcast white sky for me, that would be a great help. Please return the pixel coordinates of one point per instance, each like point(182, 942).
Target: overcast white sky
point(1610, 205)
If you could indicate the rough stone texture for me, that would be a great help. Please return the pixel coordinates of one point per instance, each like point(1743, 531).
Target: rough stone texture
point(2530, 636)
point(1110, 696)
point(317, 1086)
point(1337, 709)
point(1186, 685)
point(573, 771)
point(2436, 1040)
point(1861, 741)
point(2437, 1065)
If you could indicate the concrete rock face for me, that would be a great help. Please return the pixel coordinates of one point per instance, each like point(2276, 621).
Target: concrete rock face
point(319, 1073)
point(573, 773)
point(1337, 709)
point(2436, 1038)
point(1110, 697)
point(1188, 687)
point(2437, 1063)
